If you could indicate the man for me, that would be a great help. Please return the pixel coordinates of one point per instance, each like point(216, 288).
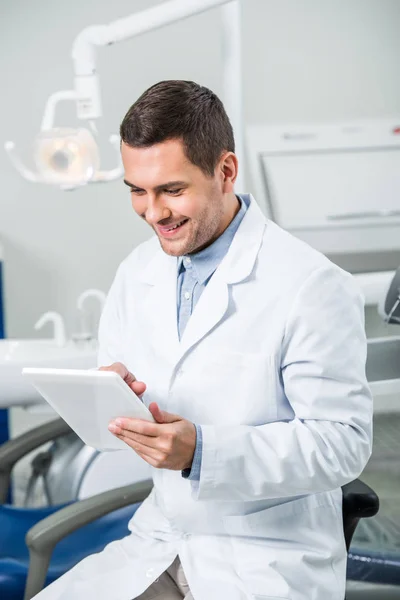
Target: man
point(249, 349)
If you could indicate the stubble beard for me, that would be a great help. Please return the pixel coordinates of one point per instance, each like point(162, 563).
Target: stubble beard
point(202, 232)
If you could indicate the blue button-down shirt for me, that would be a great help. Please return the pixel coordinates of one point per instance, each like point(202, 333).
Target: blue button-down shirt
point(194, 273)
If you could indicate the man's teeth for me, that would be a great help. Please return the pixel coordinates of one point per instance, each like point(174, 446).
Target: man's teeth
point(177, 225)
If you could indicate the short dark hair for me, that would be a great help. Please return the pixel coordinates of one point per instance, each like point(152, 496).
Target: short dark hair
point(176, 109)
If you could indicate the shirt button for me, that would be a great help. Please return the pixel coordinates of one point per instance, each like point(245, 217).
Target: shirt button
point(186, 261)
point(186, 536)
point(150, 572)
point(187, 295)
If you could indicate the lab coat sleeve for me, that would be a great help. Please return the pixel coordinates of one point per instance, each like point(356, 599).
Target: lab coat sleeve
point(110, 329)
point(328, 442)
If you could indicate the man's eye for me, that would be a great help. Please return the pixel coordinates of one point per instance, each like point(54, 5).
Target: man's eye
point(174, 192)
point(137, 192)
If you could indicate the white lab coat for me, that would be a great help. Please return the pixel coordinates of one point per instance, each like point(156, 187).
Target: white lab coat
point(272, 366)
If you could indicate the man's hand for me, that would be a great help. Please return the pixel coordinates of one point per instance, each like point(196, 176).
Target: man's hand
point(167, 444)
point(137, 386)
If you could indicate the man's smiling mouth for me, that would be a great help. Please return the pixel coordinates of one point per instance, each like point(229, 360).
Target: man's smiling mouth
point(171, 228)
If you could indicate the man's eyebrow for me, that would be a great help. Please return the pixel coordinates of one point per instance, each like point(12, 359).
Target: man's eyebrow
point(160, 187)
point(131, 185)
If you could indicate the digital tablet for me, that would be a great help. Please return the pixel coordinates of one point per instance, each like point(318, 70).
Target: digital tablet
point(88, 401)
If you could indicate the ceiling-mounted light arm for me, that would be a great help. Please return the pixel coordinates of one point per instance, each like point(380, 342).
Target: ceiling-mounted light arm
point(84, 45)
point(83, 49)
point(86, 91)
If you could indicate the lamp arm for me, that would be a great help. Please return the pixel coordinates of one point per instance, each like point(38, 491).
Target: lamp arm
point(84, 56)
point(83, 48)
point(84, 45)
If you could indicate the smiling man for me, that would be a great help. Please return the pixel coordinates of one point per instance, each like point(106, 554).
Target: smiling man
point(248, 347)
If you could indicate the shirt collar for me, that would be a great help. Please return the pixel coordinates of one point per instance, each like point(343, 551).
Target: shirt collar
point(204, 263)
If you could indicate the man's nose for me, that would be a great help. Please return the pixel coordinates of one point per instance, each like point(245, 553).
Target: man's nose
point(156, 211)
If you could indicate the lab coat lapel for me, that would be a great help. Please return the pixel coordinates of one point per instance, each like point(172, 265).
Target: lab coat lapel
point(234, 268)
point(160, 305)
point(208, 312)
point(160, 309)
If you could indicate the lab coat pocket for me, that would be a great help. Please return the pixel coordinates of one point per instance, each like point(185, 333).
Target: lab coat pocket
point(272, 521)
point(300, 536)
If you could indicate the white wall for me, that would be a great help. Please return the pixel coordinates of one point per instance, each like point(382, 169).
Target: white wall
point(304, 60)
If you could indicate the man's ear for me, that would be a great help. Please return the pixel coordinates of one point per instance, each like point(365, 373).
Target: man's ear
point(228, 166)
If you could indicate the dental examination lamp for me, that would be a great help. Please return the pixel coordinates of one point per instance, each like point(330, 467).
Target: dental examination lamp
point(70, 158)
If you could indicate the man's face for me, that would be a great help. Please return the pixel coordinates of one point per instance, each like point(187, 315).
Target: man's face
point(187, 209)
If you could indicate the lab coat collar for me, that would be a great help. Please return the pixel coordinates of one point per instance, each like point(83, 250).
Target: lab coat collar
point(241, 256)
point(205, 262)
point(238, 261)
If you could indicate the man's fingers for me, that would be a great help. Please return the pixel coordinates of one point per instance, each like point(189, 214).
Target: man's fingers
point(148, 459)
point(137, 386)
point(156, 412)
point(117, 367)
point(150, 455)
point(146, 441)
point(129, 443)
point(162, 416)
point(139, 426)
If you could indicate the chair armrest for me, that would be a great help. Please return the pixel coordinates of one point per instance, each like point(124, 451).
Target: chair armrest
point(43, 536)
point(15, 449)
point(359, 500)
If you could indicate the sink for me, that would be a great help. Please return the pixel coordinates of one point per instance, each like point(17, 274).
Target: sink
point(16, 354)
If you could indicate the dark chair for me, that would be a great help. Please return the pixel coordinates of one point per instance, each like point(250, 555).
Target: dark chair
point(365, 562)
point(359, 502)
